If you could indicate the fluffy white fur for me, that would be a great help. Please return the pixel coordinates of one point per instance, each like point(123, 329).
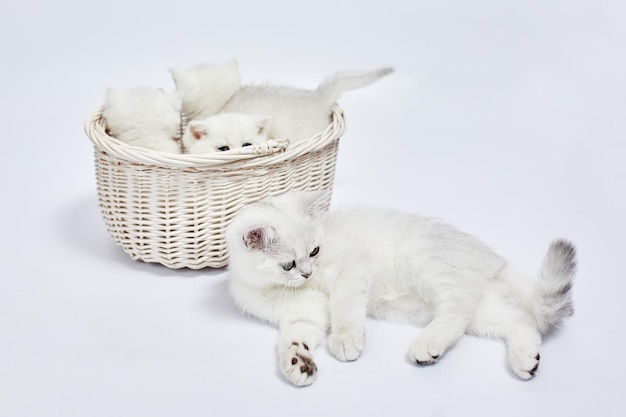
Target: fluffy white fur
point(144, 117)
point(298, 114)
point(206, 88)
point(310, 272)
point(223, 132)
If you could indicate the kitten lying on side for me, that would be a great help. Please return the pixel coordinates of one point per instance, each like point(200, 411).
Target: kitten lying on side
point(206, 88)
point(299, 114)
point(144, 117)
point(223, 132)
point(307, 271)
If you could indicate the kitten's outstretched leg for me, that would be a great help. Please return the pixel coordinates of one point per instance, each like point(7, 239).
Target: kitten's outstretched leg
point(302, 325)
point(440, 334)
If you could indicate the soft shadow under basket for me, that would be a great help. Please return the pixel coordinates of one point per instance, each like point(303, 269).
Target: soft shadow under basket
point(174, 209)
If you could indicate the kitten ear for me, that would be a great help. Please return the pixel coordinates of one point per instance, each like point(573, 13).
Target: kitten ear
point(176, 74)
point(112, 93)
point(233, 64)
point(259, 237)
point(261, 123)
point(198, 129)
point(309, 203)
point(177, 99)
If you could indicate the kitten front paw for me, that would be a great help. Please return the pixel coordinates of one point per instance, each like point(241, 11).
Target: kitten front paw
point(297, 365)
point(346, 345)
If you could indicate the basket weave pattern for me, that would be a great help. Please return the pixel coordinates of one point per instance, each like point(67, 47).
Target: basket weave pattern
point(174, 209)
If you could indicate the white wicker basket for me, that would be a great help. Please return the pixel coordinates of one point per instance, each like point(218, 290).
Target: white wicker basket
point(173, 209)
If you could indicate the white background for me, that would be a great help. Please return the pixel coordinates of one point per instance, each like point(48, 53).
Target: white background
point(505, 118)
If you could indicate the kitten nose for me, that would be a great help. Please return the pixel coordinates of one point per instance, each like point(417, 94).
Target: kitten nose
point(306, 275)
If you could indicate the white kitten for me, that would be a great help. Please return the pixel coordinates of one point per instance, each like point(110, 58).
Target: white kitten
point(206, 88)
point(298, 114)
point(223, 132)
point(144, 117)
point(307, 271)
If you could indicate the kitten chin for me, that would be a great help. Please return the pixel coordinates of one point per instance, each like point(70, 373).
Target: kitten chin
point(295, 282)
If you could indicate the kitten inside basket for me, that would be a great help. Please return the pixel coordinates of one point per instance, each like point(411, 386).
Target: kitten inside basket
point(222, 114)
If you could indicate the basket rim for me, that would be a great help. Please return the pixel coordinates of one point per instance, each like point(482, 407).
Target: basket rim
point(272, 151)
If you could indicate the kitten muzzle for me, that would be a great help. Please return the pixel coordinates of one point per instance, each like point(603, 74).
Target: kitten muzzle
point(296, 282)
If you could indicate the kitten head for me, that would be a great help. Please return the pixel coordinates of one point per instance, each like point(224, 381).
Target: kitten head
point(206, 88)
point(142, 112)
point(277, 241)
point(223, 132)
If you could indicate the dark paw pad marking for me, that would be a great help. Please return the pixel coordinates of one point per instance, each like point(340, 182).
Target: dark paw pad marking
point(532, 371)
point(427, 362)
point(304, 345)
point(308, 366)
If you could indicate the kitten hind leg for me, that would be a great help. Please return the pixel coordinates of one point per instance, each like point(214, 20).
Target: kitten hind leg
point(503, 317)
point(523, 344)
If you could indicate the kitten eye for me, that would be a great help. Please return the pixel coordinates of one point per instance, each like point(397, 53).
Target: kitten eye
point(223, 148)
point(289, 266)
point(315, 252)
point(246, 144)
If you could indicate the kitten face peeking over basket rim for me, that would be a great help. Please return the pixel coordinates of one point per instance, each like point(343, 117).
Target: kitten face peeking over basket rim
point(223, 132)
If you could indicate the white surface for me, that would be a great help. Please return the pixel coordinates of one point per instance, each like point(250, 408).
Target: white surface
point(505, 118)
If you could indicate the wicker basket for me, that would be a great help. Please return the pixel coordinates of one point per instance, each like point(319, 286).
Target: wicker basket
point(173, 209)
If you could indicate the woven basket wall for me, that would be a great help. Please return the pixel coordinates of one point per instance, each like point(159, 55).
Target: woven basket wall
point(174, 209)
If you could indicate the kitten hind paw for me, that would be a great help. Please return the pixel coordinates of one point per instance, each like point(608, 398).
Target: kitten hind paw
point(297, 365)
point(524, 365)
point(424, 353)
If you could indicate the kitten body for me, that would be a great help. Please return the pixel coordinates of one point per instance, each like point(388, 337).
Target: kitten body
point(298, 114)
point(223, 132)
point(144, 117)
point(310, 272)
point(206, 88)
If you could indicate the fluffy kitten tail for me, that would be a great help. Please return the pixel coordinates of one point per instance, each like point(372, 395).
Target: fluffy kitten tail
point(332, 88)
point(553, 292)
